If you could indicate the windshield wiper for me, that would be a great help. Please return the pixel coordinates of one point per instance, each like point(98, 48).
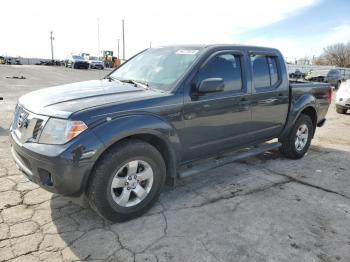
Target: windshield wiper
point(142, 84)
point(111, 78)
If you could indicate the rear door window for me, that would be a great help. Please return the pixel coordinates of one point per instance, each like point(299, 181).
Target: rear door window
point(265, 71)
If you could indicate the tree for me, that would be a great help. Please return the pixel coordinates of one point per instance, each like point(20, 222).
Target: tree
point(336, 54)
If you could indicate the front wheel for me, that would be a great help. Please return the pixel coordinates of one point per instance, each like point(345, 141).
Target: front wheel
point(341, 110)
point(298, 141)
point(127, 180)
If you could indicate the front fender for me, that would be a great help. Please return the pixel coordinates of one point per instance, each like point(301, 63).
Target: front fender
point(112, 131)
point(297, 106)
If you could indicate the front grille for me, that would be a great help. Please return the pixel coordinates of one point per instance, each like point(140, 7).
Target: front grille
point(26, 125)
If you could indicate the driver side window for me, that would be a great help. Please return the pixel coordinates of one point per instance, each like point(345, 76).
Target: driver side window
point(225, 66)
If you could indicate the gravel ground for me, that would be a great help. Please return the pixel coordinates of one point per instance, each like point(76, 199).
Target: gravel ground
point(266, 208)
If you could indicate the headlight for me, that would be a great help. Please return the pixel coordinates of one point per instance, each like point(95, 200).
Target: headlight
point(60, 131)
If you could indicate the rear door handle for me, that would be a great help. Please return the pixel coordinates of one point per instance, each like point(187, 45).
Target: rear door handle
point(243, 99)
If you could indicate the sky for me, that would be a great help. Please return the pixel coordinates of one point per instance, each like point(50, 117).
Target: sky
point(298, 28)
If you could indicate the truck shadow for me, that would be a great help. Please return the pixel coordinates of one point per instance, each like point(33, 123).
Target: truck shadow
point(87, 236)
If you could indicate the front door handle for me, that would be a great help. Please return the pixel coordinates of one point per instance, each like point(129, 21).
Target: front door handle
point(243, 99)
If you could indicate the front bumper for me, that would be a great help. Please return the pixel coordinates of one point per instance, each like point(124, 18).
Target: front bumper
point(97, 66)
point(81, 65)
point(343, 101)
point(62, 169)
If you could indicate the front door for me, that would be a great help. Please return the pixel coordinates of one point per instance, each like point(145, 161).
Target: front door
point(215, 121)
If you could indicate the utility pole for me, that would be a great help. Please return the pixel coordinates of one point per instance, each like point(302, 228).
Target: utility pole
point(98, 38)
point(118, 48)
point(150, 44)
point(51, 38)
point(123, 40)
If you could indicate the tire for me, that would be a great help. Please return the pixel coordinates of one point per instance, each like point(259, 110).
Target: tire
point(289, 147)
point(103, 198)
point(341, 110)
point(337, 85)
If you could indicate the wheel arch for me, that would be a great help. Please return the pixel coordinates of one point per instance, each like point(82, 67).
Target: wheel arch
point(162, 136)
point(311, 112)
point(305, 104)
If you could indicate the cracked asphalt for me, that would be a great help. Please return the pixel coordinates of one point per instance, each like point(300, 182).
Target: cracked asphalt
point(265, 208)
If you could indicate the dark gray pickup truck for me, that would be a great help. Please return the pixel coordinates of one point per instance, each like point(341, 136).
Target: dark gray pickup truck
point(165, 114)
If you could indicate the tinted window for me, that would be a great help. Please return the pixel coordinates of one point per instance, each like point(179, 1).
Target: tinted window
point(261, 74)
point(265, 71)
point(333, 73)
point(227, 67)
point(273, 70)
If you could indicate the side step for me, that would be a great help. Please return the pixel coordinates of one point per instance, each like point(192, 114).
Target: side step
point(227, 158)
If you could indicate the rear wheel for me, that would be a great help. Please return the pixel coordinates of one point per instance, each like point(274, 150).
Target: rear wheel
point(298, 141)
point(127, 180)
point(337, 85)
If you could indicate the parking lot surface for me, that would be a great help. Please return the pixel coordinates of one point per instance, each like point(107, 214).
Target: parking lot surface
point(265, 208)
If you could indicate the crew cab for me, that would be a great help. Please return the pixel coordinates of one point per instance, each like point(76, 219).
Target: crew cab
point(165, 114)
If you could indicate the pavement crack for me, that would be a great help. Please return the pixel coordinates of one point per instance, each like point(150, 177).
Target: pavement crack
point(208, 251)
point(293, 179)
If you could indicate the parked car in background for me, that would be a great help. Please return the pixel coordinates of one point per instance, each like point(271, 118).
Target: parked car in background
point(334, 77)
point(165, 114)
point(297, 74)
point(342, 100)
point(317, 75)
point(96, 64)
point(76, 61)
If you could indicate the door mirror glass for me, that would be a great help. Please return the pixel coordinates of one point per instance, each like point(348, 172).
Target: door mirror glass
point(211, 85)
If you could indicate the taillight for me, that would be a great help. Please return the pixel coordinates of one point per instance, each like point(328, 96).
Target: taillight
point(329, 95)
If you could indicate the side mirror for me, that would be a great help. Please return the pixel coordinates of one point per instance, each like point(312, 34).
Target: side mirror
point(211, 85)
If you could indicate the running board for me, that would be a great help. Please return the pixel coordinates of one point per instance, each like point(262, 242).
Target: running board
point(227, 158)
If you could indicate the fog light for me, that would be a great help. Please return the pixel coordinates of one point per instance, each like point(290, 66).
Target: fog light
point(45, 177)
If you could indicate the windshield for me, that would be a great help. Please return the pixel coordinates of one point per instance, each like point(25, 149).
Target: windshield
point(159, 67)
point(77, 57)
point(333, 72)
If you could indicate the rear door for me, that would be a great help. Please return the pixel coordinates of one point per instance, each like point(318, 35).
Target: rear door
point(215, 121)
point(270, 94)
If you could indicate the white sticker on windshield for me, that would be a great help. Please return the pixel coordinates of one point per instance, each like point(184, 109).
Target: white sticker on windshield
point(186, 52)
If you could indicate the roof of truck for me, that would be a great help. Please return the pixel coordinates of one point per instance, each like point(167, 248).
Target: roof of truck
point(202, 46)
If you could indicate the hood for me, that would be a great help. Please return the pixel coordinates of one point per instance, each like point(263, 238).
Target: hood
point(61, 101)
